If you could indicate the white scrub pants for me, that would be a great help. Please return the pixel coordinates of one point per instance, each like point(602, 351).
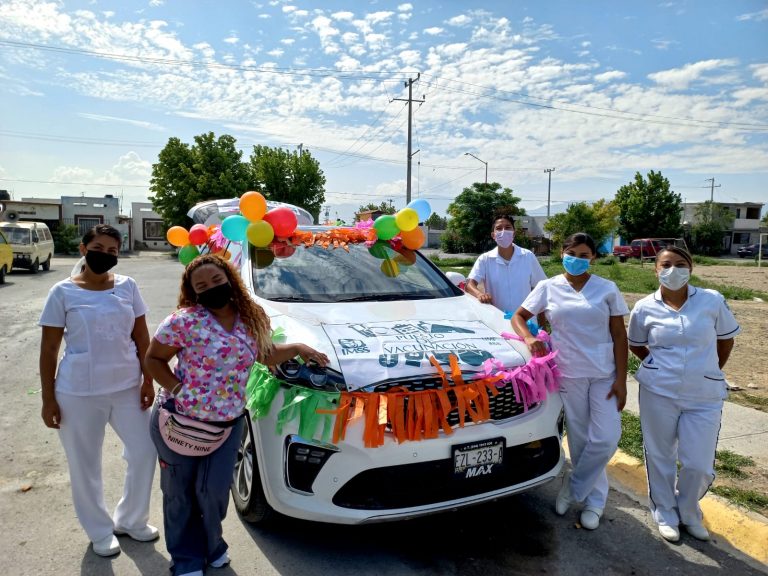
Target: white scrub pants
point(683, 430)
point(593, 432)
point(83, 426)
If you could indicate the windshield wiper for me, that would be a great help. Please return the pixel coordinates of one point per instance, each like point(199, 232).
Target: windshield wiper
point(387, 297)
point(288, 299)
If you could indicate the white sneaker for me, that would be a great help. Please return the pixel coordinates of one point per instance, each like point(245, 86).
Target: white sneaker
point(669, 533)
point(590, 517)
point(697, 531)
point(107, 546)
point(147, 534)
point(221, 561)
point(564, 498)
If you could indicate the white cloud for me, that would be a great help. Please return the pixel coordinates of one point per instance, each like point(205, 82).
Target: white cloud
point(288, 41)
point(301, 13)
point(404, 16)
point(760, 71)
point(661, 44)
point(433, 31)
point(264, 16)
point(404, 7)
point(410, 57)
point(276, 52)
point(156, 3)
point(344, 16)
point(326, 32)
point(460, 20)
point(610, 75)
point(378, 17)
point(349, 37)
point(103, 118)
point(756, 16)
point(232, 40)
point(681, 78)
point(586, 44)
point(288, 9)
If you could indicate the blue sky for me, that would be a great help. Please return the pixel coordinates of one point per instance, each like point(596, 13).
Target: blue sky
point(92, 90)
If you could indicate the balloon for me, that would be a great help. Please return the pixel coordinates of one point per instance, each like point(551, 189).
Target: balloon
point(282, 249)
point(389, 267)
point(253, 206)
point(260, 233)
point(177, 236)
point(283, 221)
point(407, 219)
point(386, 227)
point(380, 250)
point(406, 257)
point(188, 253)
point(262, 258)
point(234, 227)
point(198, 234)
point(413, 239)
point(422, 207)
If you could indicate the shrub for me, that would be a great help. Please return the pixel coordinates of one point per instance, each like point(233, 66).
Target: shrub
point(66, 239)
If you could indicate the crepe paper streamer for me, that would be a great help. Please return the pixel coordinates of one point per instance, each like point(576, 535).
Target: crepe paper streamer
point(278, 335)
point(260, 391)
point(311, 408)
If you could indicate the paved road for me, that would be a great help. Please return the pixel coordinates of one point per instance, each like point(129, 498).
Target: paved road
point(516, 536)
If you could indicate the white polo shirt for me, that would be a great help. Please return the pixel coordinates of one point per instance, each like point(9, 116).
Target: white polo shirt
point(580, 323)
point(100, 355)
point(508, 281)
point(683, 362)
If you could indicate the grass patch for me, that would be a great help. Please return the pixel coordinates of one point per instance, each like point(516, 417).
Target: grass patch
point(631, 435)
point(749, 400)
point(730, 464)
point(751, 499)
point(447, 262)
point(633, 363)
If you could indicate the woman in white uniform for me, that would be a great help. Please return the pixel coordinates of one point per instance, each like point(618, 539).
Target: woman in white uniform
point(683, 335)
point(586, 314)
point(99, 381)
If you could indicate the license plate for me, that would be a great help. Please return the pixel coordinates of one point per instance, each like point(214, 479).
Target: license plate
point(478, 458)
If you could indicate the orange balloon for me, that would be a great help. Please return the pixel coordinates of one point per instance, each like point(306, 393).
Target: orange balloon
point(253, 206)
point(177, 236)
point(413, 239)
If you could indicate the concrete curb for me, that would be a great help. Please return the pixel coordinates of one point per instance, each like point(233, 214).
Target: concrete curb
point(741, 529)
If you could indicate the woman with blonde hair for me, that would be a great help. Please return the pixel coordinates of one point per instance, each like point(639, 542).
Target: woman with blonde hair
point(216, 334)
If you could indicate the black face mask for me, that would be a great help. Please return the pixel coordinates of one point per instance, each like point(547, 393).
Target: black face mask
point(216, 297)
point(100, 262)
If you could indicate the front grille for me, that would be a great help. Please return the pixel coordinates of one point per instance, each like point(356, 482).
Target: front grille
point(432, 482)
point(502, 406)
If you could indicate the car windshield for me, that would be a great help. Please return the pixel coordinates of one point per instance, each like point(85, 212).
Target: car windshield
point(16, 235)
point(285, 273)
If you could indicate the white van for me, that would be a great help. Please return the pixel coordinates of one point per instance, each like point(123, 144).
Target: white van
point(31, 242)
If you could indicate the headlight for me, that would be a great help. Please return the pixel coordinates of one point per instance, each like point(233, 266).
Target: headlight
point(311, 376)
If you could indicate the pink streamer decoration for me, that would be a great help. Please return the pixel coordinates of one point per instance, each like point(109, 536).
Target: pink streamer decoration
point(217, 240)
point(364, 225)
point(531, 382)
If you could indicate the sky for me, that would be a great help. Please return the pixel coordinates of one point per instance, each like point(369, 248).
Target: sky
point(91, 91)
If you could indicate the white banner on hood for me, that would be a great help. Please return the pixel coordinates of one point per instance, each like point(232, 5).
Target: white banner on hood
point(377, 351)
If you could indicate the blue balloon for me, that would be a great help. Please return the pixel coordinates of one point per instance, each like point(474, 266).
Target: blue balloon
point(422, 207)
point(234, 227)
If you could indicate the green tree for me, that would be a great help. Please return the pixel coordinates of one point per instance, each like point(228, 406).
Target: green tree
point(472, 214)
point(765, 219)
point(185, 175)
point(66, 239)
point(384, 208)
point(712, 221)
point(648, 208)
point(291, 177)
point(597, 220)
point(437, 222)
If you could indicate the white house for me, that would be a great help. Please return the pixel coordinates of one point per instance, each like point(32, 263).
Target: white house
point(746, 223)
point(148, 229)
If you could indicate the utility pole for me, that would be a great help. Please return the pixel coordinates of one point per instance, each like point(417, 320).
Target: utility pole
point(549, 187)
point(301, 148)
point(410, 100)
point(483, 161)
point(712, 195)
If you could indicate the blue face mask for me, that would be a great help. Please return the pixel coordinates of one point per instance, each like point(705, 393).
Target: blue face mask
point(575, 266)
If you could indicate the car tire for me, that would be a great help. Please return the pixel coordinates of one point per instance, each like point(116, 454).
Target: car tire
point(2, 274)
point(47, 264)
point(247, 492)
point(35, 267)
point(622, 258)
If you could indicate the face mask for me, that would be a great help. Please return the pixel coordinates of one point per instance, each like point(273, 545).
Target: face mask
point(575, 266)
point(504, 238)
point(100, 262)
point(674, 278)
point(216, 297)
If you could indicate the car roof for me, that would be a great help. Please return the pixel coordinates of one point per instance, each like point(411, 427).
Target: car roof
point(23, 224)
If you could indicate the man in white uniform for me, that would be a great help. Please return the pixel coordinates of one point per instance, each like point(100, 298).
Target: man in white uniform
point(508, 272)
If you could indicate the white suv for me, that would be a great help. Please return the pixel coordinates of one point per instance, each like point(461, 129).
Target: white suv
point(380, 332)
point(32, 244)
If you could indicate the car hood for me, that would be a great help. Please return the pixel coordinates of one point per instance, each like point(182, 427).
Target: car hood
point(372, 342)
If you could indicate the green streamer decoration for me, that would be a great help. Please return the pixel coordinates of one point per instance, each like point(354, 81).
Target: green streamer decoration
point(260, 391)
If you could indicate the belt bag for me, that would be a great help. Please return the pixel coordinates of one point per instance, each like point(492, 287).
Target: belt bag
point(190, 437)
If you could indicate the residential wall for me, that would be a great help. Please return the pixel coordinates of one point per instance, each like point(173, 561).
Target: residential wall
point(87, 211)
point(148, 229)
point(746, 224)
point(30, 210)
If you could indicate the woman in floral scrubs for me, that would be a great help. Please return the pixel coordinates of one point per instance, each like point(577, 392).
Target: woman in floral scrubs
point(216, 334)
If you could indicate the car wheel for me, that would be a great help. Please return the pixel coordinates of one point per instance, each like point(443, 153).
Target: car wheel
point(47, 264)
point(35, 267)
point(622, 258)
point(742, 255)
point(247, 491)
point(2, 274)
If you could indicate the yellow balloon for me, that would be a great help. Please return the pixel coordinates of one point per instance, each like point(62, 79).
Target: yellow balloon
point(253, 206)
point(177, 236)
point(260, 233)
point(407, 219)
point(390, 268)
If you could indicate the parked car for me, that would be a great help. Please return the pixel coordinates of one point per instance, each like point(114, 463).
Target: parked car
point(6, 257)
point(379, 330)
point(32, 244)
point(751, 250)
point(645, 248)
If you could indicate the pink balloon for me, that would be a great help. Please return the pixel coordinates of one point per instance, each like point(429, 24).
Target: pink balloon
point(283, 221)
point(198, 234)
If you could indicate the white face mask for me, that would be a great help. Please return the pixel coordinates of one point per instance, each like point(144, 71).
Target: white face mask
point(504, 238)
point(674, 278)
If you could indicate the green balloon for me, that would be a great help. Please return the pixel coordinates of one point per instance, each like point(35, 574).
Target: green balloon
point(386, 227)
point(380, 250)
point(188, 253)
